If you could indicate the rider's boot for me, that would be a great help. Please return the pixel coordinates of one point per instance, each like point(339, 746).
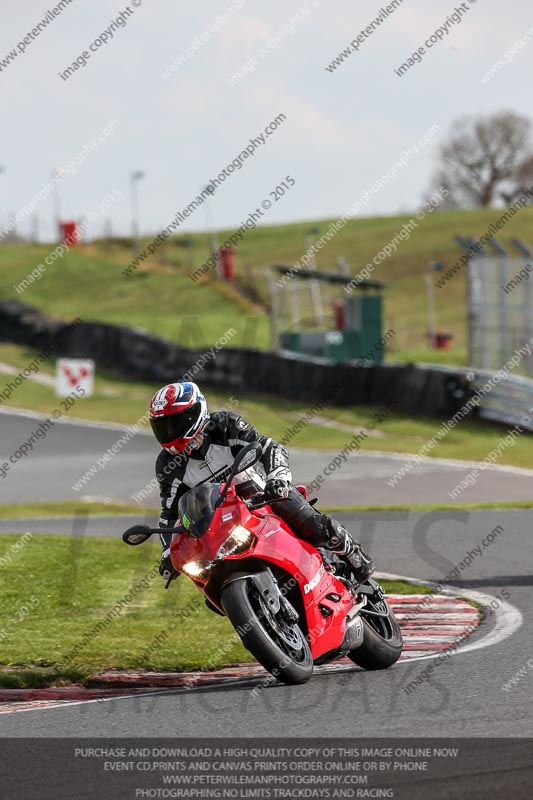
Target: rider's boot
point(343, 545)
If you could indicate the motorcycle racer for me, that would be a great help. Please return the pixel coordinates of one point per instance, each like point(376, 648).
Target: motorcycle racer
point(199, 447)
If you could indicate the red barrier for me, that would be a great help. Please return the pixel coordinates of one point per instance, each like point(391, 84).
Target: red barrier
point(338, 312)
point(69, 233)
point(228, 263)
point(443, 340)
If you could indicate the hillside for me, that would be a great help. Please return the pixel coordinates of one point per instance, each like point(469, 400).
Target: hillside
point(162, 298)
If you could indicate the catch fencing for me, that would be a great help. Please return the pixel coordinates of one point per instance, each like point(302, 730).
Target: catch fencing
point(500, 311)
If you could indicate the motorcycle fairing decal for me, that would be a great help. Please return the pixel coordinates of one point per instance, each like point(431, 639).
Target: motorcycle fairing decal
point(315, 580)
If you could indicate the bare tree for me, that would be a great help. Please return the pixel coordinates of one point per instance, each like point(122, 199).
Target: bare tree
point(523, 181)
point(481, 161)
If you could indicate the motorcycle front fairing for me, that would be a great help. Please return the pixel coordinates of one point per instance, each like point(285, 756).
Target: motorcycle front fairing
point(324, 599)
point(209, 527)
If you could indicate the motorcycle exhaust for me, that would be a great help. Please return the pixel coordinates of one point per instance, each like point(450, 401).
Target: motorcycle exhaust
point(354, 633)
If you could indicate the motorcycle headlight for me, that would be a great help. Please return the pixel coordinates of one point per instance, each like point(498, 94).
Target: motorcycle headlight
point(196, 569)
point(239, 540)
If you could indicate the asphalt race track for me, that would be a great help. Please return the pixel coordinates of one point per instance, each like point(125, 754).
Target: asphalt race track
point(463, 697)
point(71, 448)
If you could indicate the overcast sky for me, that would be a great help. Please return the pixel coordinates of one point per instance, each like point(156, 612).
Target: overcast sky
point(343, 129)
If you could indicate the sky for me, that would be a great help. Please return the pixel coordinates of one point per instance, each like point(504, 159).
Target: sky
point(178, 116)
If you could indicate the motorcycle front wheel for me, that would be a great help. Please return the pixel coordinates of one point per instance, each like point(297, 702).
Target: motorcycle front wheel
point(279, 646)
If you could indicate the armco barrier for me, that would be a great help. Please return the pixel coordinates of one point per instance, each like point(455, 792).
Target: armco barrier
point(426, 389)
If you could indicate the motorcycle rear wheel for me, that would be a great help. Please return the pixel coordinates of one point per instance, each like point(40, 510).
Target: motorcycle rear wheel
point(382, 638)
point(280, 647)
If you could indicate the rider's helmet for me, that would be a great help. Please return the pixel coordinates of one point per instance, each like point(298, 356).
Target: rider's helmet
point(178, 415)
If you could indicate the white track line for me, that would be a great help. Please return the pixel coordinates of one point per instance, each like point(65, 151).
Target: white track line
point(42, 378)
point(445, 462)
point(84, 423)
point(507, 618)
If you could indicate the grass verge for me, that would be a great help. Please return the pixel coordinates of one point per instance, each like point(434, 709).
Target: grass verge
point(72, 285)
point(67, 509)
point(517, 504)
point(55, 510)
point(57, 593)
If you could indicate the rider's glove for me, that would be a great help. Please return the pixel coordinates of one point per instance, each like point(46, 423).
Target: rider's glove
point(277, 489)
point(166, 569)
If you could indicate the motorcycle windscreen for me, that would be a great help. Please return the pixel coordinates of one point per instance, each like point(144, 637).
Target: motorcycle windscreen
point(197, 508)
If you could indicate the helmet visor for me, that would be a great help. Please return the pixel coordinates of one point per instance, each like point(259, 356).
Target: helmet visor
point(176, 426)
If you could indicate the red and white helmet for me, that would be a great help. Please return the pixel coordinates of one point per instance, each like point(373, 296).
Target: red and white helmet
point(178, 413)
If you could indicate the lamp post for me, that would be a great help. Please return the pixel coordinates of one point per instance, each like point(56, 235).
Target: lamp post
point(135, 177)
point(2, 171)
point(316, 297)
point(434, 266)
point(56, 173)
point(312, 232)
point(213, 238)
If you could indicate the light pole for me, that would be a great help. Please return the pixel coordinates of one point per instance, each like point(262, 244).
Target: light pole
point(314, 231)
point(434, 266)
point(135, 177)
point(316, 297)
point(213, 238)
point(34, 229)
point(56, 173)
point(2, 171)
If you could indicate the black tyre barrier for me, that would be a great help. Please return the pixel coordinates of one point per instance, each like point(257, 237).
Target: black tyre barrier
point(136, 354)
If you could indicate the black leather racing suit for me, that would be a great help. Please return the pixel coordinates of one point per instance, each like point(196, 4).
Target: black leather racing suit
point(225, 434)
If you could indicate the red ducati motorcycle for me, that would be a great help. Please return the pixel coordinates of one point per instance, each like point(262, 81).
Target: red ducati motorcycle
point(291, 604)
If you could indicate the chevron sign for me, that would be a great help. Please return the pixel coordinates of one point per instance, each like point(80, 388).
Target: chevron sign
point(72, 373)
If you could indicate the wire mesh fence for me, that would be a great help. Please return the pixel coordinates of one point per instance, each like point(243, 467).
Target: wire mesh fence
point(500, 311)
